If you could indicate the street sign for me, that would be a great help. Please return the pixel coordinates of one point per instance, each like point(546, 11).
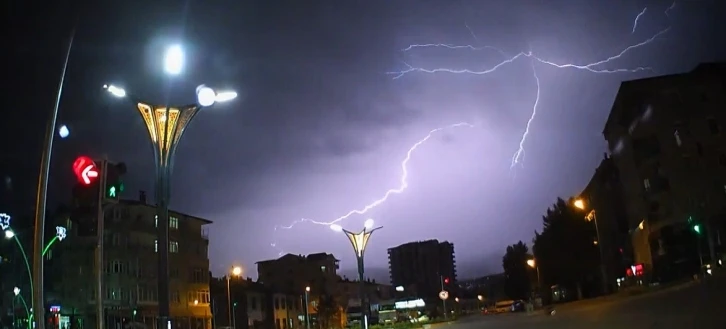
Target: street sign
point(444, 295)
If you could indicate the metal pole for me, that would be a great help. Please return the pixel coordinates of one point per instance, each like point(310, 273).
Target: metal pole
point(234, 316)
point(605, 282)
point(100, 318)
point(162, 213)
point(307, 311)
point(41, 198)
point(229, 304)
point(363, 304)
point(441, 278)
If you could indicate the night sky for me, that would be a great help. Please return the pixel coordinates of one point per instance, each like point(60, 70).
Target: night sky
point(323, 122)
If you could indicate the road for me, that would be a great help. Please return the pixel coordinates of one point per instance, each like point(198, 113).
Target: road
point(698, 305)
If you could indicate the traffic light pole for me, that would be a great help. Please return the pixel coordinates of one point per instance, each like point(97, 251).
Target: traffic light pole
point(100, 318)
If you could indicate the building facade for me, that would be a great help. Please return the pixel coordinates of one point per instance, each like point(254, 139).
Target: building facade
point(255, 306)
point(130, 269)
point(603, 196)
point(296, 272)
point(425, 267)
point(666, 136)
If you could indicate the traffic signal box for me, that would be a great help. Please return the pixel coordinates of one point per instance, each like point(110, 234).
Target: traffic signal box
point(99, 183)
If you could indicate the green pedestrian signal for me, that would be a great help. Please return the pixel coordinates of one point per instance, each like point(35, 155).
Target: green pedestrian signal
point(697, 229)
point(112, 192)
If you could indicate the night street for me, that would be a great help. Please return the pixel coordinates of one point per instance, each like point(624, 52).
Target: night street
point(691, 306)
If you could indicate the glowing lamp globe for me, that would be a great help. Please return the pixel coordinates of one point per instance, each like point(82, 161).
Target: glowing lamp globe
point(206, 96)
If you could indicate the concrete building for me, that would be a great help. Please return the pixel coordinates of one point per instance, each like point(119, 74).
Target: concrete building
point(666, 136)
point(296, 272)
point(130, 269)
point(423, 267)
point(603, 195)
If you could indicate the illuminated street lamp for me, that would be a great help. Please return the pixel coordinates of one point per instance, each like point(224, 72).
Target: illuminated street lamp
point(592, 217)
point(307, 310)
point(236, 271)
point(360, 241)
point(533, 264)
point(10, 234)
point(28, 311)
point(165, 125)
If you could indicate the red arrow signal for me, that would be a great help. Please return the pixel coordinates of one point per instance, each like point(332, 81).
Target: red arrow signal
point(85, 170)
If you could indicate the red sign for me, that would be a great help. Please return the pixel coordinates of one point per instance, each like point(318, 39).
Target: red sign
point(85, 170)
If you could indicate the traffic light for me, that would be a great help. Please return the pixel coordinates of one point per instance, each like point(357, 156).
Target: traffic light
point(446, 280)
point(695, 226)
point(114, 183)
point(86, 170)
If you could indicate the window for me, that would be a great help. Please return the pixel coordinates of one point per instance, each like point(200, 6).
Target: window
point(116, 267)
point(322, 268)
point(173, 246)
point(201, 297)
point(646, 184)
point(146, 293)
point(198, 276)
point(174, 297)
point(677, 135)
point(173, 222)
point(115, 293)
point(713, 126)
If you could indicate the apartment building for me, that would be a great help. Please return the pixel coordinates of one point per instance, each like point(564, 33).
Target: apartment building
point(424, 266)
point(666, 135)
point(130, 269)
point(296, 272)
point(603, 198)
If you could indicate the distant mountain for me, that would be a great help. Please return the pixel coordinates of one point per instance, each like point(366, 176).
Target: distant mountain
point(381, 275)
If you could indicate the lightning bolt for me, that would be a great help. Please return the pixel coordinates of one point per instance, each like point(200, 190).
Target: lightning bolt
point(594, 67)
point(637, 18)
point(402, 186)
point(519, 155)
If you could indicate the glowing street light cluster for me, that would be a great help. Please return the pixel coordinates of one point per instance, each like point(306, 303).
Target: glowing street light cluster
point(360, 241)
point(166, 125)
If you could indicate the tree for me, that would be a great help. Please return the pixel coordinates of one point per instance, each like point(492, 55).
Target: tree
point(516, 283)
point(328, 311)
point(565, 251)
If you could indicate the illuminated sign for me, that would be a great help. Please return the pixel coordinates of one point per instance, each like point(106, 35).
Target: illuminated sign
point(416, 303)
point(635, 270)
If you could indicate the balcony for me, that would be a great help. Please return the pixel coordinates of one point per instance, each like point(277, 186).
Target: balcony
point(205, 234)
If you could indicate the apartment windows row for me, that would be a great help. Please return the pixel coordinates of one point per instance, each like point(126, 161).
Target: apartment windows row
point(173, 246)
point(140, 293)
point(173, 222)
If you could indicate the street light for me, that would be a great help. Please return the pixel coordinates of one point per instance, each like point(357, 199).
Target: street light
point(38, 299)
point(360, 241)
point(165, 125)
point(533, 264)
point(174, 60)
point(236, 271)
point(307, 310)
point(592, 217)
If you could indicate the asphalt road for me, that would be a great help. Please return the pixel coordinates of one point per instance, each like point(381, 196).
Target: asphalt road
point(698, 305)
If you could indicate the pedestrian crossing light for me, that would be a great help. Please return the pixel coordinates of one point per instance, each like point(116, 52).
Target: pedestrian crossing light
point(697, 228)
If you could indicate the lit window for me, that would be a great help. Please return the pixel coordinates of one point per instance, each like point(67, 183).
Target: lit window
point(173, 222)
point(174, 246)
point(322, 269)
point(646, 184)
